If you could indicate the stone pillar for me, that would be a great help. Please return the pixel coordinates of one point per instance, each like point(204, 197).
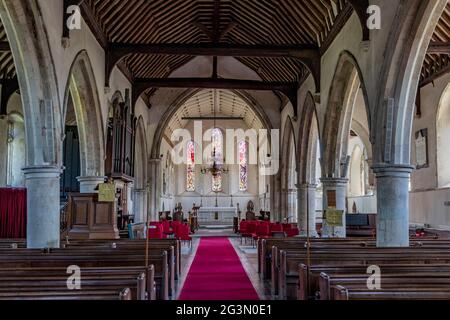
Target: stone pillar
point(43, 217)
point(306, 208)
point(340, 186)
point(393, 205)
point(140, 205)
point(155, 194)
point(89, 184)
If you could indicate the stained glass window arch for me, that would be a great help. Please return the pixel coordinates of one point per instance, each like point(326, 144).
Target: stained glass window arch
point(190, 165)
point(217, 147)
point(243, 166)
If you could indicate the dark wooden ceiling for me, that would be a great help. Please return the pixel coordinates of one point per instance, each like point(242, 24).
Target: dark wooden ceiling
point(437, 64)
point(246, 22)
point(7, 68)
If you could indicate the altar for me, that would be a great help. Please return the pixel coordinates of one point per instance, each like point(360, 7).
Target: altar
point(222, 216)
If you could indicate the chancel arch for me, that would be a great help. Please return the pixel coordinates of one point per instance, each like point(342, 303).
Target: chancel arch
point(235, 115)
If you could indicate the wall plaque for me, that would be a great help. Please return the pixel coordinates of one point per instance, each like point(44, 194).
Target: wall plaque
point(421, 142)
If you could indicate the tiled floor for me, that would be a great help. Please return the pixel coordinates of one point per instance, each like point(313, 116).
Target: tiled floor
point(247, 255)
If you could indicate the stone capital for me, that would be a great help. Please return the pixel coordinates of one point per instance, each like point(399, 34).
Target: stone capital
point(306, 185)
point(331, 182)
point(392, 170)
point(42, 172)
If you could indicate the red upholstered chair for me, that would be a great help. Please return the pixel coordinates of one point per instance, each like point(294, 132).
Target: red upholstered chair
point(155, 231)
point(183, 233)
point(292, 232)
point(276, 227)
point(250, 230)
point(243, 226)
point(262, 232)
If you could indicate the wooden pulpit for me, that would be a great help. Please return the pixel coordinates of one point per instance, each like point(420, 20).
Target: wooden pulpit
point(90, 218)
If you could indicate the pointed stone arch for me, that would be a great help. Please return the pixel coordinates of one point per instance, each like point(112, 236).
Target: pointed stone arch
point(140, 172)
point(82, 89)
point(288, 150)
point(399, 76)
point(27, 36)
point(346, 82)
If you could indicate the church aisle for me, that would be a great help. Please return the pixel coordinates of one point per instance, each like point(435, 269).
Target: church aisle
point(217, 274)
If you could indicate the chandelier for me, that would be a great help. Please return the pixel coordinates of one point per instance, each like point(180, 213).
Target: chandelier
point(217, 168)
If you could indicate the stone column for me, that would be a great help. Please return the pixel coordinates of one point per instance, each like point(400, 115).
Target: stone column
point(43, 217)
point(140, 205)
point(155, 187)
point(306, 208)
point(89, 184)
point(393, 205)
point(340, 186)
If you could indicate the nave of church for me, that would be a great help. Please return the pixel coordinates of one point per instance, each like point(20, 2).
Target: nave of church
point(224, 150)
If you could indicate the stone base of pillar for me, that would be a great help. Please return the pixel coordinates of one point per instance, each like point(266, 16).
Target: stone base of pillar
point(312, 234)
point(43, 208)
point(90, 184)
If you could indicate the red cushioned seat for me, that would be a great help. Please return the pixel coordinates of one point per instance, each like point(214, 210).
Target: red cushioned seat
point(155, 231)
point(183, 233)
point(276, 227)
point(292, 232)
point(262, 232)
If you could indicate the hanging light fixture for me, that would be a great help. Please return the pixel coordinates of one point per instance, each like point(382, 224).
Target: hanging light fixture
point(217, 168)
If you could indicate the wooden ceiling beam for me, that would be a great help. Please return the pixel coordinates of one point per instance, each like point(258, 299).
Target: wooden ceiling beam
point(290, 89)
point(439, 48)
point(309, 55)
point(4, 46)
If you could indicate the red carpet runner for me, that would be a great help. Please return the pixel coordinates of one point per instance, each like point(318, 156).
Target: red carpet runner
point(217, 274)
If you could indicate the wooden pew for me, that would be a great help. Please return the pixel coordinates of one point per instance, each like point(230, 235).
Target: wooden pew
point(432, 293)
point(107, 294)
point(396, 280)
point(129, 248)
point(316, 271)
point(138, 279)
point(105, 260)
point(287, 267)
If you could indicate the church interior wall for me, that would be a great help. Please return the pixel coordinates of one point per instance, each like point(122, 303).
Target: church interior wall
point(427, 200)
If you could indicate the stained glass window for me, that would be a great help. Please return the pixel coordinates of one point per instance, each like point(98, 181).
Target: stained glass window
point(217, 144)
point(243, 174)
point(190, 163)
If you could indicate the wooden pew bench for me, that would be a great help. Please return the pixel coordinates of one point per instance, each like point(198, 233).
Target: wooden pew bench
point(287, 268)
point(159, 261)
point(139, 280)
point(432, 293)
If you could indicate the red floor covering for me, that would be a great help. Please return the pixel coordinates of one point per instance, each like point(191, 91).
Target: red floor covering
point(217, 274)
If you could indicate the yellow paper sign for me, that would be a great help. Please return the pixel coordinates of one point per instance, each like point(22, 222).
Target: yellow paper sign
point(106, 192)
point(334, 217)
